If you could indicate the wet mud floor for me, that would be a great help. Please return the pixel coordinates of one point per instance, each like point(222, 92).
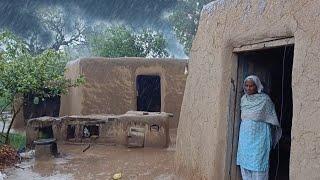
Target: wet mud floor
point(99, 162)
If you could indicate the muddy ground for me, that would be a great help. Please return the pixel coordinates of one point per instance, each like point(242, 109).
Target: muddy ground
point(99, 162)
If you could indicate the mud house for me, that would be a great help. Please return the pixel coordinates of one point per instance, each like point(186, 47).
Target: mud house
point(279, 41)
point(115, 86)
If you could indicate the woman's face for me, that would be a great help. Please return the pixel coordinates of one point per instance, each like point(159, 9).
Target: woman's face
point(250, 87)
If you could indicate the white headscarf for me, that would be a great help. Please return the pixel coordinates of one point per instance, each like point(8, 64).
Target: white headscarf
point(256, 81)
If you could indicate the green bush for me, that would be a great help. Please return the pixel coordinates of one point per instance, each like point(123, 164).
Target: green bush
point(16, 140)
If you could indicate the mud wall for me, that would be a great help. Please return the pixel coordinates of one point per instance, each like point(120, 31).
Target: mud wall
point(71, 104)
point(110, 86)
point(225, 25)
point(109, 129)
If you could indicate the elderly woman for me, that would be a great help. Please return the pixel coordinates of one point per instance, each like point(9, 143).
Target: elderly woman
point(259, 131)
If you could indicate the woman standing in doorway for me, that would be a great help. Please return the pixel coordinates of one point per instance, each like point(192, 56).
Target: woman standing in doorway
point(259, 131)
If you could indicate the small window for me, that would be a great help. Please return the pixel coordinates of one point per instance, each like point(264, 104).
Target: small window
point(154, 128)
point(90, 130)
point(71, 129)
point(45, 132)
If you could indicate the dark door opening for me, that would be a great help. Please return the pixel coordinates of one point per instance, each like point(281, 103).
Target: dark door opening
point(47, 107)
point(148, 93)
point(274, 68)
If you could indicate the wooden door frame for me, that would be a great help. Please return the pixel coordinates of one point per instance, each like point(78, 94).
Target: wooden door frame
point(232, 172)
point(233, 122)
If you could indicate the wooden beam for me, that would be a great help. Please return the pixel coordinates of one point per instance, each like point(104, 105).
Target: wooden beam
point(264, 45)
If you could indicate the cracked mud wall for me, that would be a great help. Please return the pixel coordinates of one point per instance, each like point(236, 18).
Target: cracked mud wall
point(110, 86)
point(224, 25)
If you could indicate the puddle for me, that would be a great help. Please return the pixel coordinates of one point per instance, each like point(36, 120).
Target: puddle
point(99, 162)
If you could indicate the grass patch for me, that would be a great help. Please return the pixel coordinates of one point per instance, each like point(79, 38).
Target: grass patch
point(16, 140)
point(3, 102)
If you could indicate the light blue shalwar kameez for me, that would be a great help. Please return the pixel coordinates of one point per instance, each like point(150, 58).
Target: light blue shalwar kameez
point(254, 146)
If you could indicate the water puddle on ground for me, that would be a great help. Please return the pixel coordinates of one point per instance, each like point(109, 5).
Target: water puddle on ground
point(99, 162)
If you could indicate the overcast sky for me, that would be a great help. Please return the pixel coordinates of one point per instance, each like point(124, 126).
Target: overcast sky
point(19, 15)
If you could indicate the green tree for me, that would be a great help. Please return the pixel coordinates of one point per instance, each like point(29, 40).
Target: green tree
point(185, 20)
point(153, 44)
point(53, 20)
point(22, 73)
point(120, 41)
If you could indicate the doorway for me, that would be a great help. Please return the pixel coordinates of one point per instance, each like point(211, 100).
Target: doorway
point(274, 68)
point(148, 93)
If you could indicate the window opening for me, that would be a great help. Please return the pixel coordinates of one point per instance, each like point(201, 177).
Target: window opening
point(71, 129)
point(45, 132)
point(90, 130)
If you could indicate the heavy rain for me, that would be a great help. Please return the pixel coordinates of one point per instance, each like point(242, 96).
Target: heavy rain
point(40, 42)
point(159, 89)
